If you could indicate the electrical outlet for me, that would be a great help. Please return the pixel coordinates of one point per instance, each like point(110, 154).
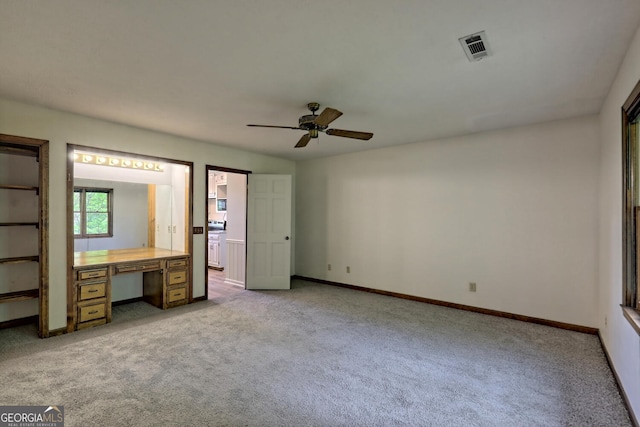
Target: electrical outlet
point(174, 229)
point(472, 286)
point(329, 267)
point(605, 320)
point(169, 229)
point(348, 269)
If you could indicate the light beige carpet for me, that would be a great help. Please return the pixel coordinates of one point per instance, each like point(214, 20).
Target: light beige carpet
point(314, 356)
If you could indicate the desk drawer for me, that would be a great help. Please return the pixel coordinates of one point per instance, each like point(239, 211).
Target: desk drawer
point(90, 291)
point(91, 312)
point(92, 274)
point(139, 266)
point(178, 294)
point(177, 277)
point(173, 263)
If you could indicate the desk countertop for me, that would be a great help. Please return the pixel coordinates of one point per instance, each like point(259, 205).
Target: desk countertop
point(115, 256)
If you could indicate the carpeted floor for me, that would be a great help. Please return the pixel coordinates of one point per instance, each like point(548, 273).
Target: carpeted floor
point(315, 356)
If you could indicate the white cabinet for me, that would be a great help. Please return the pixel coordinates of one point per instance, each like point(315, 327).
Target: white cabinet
point(217, 249)
point(211, 186)
point(214, 251)
point(220, 179)
point(221, 192)
point(216, 179)
point(221, 201)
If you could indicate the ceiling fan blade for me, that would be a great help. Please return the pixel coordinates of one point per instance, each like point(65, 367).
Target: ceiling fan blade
point(303, 141)
point(327, 116)
point(349, 134)
point(271, 126)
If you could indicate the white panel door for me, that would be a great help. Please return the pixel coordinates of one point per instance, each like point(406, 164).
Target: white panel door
point(268, 232)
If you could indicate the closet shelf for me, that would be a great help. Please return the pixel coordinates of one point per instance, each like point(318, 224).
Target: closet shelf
point(19, 150)
point(19, 187)
point(19, 259)
point(19, 295)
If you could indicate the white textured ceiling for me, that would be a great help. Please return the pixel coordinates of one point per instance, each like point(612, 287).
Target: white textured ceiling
point(204, 69)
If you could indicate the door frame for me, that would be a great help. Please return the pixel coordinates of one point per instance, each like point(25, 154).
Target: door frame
point(213, 168)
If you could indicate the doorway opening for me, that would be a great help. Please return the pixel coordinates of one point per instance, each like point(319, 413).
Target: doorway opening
point(226, 213)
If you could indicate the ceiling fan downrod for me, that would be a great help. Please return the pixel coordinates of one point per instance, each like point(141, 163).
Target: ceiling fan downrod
point(313, 107)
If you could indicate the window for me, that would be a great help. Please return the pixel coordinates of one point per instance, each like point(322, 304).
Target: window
point(631, 207)
point(92, 212)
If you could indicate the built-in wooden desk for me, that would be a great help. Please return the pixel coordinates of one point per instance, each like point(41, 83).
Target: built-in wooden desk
point(166, 281)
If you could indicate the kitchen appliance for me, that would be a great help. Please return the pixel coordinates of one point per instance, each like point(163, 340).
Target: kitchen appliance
point(216, 225)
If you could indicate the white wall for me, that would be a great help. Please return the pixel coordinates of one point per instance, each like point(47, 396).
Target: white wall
point(62, 128)
point(513, 210)
point(236, 206)
point(178, 203)
point(621, 341)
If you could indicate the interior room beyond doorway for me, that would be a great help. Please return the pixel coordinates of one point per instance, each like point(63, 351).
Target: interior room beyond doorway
point(227, 226)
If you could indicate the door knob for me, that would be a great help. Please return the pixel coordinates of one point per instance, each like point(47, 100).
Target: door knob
point(286, 238)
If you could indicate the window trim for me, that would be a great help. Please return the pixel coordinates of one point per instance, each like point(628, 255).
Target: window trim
point(630, 229)
point(83, 226)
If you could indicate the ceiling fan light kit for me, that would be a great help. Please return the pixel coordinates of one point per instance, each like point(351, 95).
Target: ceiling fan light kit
point(314, 124)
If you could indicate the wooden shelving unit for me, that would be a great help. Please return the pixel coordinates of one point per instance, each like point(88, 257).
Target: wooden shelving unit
point(19, 187)
point(16, 146)
point(36, 288)
point(19, 295)
point(19, 259)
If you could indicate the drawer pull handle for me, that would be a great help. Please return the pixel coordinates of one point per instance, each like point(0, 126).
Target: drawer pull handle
point(93, 274)
point(93, 312)
point(92, 290)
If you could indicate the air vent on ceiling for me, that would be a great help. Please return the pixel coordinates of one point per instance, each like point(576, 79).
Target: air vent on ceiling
point(475, 46)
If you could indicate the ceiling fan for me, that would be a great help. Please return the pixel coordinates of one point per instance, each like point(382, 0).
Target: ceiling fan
point(314, 124)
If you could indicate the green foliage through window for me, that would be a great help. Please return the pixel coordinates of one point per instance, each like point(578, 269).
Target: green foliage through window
point(92, 213)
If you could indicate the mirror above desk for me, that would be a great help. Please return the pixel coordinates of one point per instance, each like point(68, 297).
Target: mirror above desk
point(148, 208)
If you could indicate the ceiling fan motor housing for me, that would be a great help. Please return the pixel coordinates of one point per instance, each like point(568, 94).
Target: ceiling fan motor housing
point(308, 123)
